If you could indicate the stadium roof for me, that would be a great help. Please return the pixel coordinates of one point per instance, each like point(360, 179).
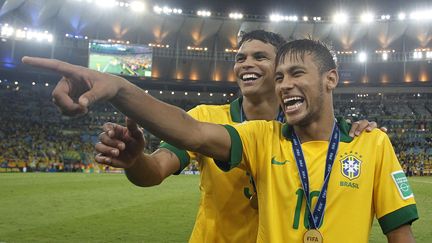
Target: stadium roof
point(182, 24)
point(98, 21)
point(304, 7)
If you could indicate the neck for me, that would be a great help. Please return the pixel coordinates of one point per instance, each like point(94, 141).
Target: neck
point(319, 130)
point(260, 107)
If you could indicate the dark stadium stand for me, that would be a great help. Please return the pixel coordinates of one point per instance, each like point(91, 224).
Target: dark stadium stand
point(36, 137)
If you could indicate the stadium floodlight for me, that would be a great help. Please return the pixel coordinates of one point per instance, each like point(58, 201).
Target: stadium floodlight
point(157, 9)
point(7, 30)
point(385, 17)
point(224, 95)
point(137, 6)
point(46, 84)
point(340, 18)
point(236, 15)
point(429, 54)
point(367, 17)
point(362, 57)
point(177, 11)
point(305, 18)
point(198, 93)
point(105, 3)
point(293, 18)
point(167, 10)
point(33, 83)
point(418, 55)
point(211, 94)
point(204, 13)
point(172, 92)
point(186, 93)
point(49, 37)
point(276, 17)
point(385, 56)
point(20, 34)
point(316, 19)
point(401, 16)
point(421, 15)
point(16, 83)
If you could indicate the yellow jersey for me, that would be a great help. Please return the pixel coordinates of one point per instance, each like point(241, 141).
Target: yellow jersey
point(366, 181)
point(224, 213)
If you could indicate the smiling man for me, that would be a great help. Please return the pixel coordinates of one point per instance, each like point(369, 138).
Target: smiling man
point(254, 68)
point(252, 145)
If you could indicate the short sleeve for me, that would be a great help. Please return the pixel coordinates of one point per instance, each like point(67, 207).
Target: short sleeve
point(247, 139)
point(393, 197)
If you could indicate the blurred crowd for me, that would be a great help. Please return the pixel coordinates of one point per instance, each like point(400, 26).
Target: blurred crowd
point(36, 137)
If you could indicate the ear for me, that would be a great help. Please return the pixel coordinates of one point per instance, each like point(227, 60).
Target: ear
point(332, 78)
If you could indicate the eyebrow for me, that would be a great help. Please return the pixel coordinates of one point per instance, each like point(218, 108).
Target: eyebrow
point(291, 69)
point(242, 54)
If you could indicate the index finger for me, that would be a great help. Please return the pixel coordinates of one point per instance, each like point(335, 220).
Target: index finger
point(50, 64)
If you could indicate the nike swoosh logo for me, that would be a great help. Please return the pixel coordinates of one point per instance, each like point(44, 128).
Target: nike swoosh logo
point(275, 162)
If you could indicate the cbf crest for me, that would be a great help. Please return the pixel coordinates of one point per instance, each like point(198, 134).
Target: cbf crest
point(351, 166)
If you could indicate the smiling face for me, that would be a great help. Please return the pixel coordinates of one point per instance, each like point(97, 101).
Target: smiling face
point(254, 68)
point(303, 91)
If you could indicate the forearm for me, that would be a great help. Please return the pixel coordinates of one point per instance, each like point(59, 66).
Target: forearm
point(148, 171)
point(165, 121)
point(171, 123)
point(402, 234)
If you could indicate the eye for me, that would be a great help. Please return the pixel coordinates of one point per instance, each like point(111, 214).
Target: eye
point(239, 58)
point(298, 73)
point(278, 78)
point(260, 57)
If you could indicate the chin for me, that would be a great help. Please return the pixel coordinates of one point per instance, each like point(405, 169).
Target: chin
point(297, 119)
point(248, 90)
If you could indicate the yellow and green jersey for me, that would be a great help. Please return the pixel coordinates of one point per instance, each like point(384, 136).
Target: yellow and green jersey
point(366, 181)
point(224, 213)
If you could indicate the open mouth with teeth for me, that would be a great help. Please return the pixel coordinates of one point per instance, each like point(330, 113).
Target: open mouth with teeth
point(293, 103)
point(250, 77)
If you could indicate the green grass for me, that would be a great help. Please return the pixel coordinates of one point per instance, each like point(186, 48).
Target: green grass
point(95, 208)
point(55, 207)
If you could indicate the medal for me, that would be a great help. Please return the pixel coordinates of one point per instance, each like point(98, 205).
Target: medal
point(312, 236)
point(253, 200)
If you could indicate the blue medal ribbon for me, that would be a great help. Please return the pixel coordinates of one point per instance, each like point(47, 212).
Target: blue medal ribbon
point(316, 217)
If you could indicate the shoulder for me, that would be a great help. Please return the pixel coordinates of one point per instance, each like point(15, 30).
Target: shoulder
point(211, 107)
point(260, 126)
point(375, 136)
point(209, 113)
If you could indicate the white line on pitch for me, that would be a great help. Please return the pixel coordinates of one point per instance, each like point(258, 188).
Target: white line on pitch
point(428, 182)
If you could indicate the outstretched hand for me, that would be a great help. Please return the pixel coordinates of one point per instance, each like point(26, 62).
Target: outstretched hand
point(120, 146)
point(79, 87)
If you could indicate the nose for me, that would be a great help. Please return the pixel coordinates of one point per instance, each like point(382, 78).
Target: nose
point(247, 63)
point(286, 83)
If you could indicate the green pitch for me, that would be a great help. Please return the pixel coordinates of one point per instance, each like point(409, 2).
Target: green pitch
point(113, 64)
point(55, 207)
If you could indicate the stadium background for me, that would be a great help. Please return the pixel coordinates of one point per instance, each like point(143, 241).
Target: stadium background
point(385, 67)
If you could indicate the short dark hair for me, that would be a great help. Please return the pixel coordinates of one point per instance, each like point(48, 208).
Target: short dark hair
point(273, 39)
point(324, 56)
